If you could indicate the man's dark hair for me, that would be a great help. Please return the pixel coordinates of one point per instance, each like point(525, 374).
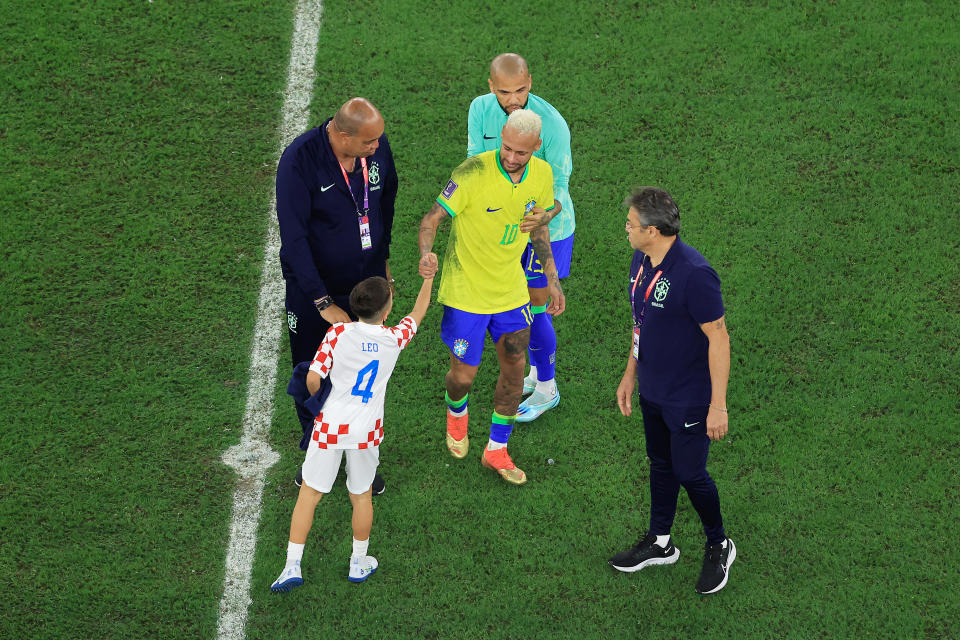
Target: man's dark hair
point(656, 207)
point(369, 297)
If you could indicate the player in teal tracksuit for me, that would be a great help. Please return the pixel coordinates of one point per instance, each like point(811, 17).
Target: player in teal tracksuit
point(510, 83)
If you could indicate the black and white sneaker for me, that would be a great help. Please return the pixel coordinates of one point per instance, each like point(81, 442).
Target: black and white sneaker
point(716, 567)
point(644, 554)
point(378, 486)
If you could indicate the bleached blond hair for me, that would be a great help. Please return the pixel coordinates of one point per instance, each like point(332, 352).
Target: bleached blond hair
point(524, 121)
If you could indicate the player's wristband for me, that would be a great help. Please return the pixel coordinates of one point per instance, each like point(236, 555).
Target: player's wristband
point(323, 303)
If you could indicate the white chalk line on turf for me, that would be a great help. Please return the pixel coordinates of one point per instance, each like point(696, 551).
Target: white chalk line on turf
point(252, 457)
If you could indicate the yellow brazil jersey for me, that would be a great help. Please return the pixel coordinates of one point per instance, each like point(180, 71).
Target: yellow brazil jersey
point(482, 271)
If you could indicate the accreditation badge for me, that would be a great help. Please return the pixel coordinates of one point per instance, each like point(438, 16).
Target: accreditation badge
point(365, 241)
point(636, 343)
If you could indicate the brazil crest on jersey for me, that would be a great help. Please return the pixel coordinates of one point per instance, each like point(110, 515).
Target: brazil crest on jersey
point(482, 271)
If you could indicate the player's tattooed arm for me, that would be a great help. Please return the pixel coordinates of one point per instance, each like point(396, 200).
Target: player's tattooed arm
point(540, 239)
point(428, 227)
point(429, 264)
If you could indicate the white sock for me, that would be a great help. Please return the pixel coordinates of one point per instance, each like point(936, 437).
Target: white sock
point(663, 541)
point(493, 446)
point(457, 414)
point(547, 387)
point(533, 373)
point(294, 553)
point(360, 547)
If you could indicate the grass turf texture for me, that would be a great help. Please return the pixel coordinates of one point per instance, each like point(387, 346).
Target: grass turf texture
point(812, 150)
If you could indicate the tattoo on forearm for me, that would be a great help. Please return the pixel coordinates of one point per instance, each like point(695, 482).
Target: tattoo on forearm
point(426, 237)
point(540, 239)
point(428, 228)
point(720, 325)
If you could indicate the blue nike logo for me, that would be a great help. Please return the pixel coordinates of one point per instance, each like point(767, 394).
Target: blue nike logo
point(489, 210)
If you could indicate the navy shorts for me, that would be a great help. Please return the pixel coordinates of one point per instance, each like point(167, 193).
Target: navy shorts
point(562, 256)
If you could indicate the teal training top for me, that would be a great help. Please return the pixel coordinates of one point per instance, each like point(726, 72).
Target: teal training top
point(484, 123)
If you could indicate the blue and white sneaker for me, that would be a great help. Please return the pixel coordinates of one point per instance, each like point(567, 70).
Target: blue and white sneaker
point(289, 579)
point(531, 408)
point(362, 567)
point(529, 384)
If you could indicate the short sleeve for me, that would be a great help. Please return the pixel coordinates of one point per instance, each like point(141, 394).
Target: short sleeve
point(704, 300)
point(324, 359)
point(404, 331)
point(475, 128)
point(455, 197)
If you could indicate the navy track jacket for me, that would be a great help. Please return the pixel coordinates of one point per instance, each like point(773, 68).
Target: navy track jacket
point(319, 229)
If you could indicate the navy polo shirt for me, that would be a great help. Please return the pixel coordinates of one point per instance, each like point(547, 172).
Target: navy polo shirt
point(319, 229)
point(672, 368)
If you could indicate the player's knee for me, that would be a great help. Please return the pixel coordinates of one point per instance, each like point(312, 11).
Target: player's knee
point(309, 495)
point(359, 499)
point(460, 378)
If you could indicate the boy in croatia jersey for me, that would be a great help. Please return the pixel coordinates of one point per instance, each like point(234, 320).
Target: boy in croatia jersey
point(358, 357)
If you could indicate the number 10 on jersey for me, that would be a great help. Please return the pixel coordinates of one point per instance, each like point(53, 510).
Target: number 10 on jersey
point(509, 233)
point(365, 378)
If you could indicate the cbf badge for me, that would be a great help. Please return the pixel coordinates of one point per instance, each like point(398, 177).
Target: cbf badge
point(460, 347)
point(660, 292)
point(374, 173)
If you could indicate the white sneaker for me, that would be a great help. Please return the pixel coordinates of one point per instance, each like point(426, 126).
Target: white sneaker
point(289, 579)
point(529, 384)
point(531, 408)
point(362, 567)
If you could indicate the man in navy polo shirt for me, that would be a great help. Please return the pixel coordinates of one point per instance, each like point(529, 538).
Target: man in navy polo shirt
point(336, 188)
point(681, 361)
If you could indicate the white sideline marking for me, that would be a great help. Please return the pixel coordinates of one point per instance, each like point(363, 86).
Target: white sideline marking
point(253, 456)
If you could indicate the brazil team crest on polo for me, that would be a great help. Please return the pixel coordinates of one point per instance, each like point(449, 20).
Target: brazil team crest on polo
point(460, 347)
point(660, 292)
point(374, 173)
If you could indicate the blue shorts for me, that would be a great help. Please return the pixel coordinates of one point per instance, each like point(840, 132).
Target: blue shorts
point(562, 256)
point(463, 331)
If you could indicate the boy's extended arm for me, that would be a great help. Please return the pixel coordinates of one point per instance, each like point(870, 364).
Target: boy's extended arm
point(423, 301)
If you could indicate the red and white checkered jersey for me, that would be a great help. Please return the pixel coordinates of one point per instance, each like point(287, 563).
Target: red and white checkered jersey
point(359, 359)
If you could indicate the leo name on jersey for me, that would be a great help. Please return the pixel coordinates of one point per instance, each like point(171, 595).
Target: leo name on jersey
point(359, 359)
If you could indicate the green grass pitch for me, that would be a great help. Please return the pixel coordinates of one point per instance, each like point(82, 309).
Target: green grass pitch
point(813, 149)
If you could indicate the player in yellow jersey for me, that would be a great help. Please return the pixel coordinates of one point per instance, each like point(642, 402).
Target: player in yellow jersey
point(496, 201)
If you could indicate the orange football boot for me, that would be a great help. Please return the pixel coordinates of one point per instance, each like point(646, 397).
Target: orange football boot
point(457, 441)
point(499, 460)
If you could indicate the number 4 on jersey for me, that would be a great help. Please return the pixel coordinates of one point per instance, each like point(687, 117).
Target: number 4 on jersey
point(370, 373)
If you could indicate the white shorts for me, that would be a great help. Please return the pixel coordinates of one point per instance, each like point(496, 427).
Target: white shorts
point(321, 466)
